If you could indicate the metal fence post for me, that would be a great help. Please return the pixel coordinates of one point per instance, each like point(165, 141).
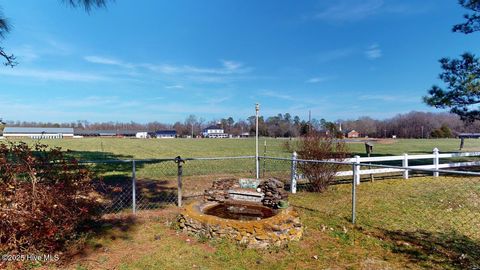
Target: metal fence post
point(293, 173)
point(405, 164)
point(179, 162)
point(134, 189)
point(356, 172)
point(435, 161)
point(354, 191)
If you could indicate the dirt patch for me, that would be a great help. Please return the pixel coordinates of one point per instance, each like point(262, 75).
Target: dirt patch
point(386, 141)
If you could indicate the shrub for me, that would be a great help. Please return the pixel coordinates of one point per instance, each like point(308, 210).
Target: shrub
point(44, 198)
point(443, 132)
point(315, 147)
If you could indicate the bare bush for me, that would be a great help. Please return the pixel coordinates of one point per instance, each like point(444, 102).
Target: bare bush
point(44, 198)
point(315, 147)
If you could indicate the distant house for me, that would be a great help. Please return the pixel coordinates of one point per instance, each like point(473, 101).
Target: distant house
point(323, 133)
point(353, 134)
point(214, 132)
point(37, 133)
point(141, 135)
point(165, 134)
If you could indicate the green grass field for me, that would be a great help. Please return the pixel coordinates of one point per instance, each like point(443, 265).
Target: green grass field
point(421, 223)
point(118, 149)
point(99, 148)
point(415, 224)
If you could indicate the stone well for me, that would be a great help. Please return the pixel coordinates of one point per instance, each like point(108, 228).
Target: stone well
point(276, 226)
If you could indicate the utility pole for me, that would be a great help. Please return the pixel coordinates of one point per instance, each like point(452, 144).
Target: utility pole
point(309, 120)
point(422, 132)
point(257, 163)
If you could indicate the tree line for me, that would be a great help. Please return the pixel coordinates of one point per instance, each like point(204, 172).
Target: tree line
point(409, 125)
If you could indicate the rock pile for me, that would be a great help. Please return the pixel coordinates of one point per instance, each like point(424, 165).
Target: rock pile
point(219, 190)
point(274, 191)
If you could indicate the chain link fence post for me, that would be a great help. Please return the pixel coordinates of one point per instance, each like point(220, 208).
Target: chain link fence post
point(179, 162)
point(293, 174)
point(134, 189)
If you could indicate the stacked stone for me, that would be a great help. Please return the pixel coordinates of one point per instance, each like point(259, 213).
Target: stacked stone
point(277, 230)
point(219, 190)
point(274, 191)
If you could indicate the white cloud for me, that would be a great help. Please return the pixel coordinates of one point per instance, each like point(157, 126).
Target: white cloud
point(317, 80)
point(373, 52)
point(25, 54)
point(350, 11)
point(107, 61)
point(228, 67)
point(355, 10)
point(277, 95)
point(395, 98)
point(53, 75)
point(174, 86)
point(231, 65)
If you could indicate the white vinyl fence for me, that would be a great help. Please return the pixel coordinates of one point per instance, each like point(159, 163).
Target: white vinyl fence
point(405, 158)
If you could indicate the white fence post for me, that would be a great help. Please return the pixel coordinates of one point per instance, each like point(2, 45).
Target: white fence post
point(357, 170)
point(293, 174)
point(435, 161)
point(405, 164)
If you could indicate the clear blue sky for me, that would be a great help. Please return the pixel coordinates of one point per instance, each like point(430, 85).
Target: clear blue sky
point(163, 60)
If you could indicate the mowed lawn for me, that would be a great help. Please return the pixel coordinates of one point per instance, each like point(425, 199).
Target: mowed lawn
point(120, 149)
point(98, 148)
point(422, 223)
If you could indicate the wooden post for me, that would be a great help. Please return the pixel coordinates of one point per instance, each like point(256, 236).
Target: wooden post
point(405, 164)
point(293, 174)
point(179, 162)
point(435, 161)
point(356, 172)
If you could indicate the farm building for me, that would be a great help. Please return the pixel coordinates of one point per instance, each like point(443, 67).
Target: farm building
point(37, 133)
point(165, 134)
point(353, 134)
point(107, 133)
point(214, 132)
point(244, 135)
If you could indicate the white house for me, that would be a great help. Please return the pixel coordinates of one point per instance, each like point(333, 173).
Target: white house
point(141, 135)
point(37, 133)
point(214, 132)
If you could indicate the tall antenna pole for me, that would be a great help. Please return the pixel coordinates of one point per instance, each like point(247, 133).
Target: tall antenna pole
point(257, 163)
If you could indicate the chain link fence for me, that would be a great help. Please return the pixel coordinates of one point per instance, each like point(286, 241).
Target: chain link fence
point(427, 206)
point(437, 210)
point(133, 185)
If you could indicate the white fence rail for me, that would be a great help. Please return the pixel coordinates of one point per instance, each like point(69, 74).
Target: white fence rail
point(405, 158)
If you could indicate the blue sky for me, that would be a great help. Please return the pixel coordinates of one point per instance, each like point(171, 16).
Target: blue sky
point(163, 60)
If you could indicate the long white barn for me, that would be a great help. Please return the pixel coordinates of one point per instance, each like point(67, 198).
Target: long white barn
point(37, 133)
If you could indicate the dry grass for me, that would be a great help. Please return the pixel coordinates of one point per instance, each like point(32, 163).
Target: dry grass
point(401, 224)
